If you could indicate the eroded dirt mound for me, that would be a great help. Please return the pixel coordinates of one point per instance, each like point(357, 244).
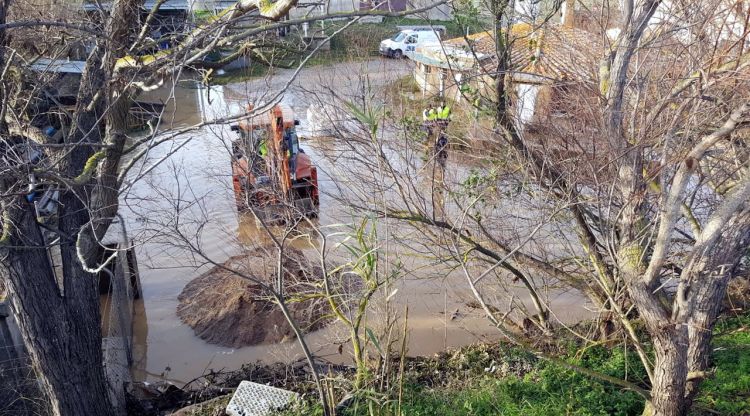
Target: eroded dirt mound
point(227, 309)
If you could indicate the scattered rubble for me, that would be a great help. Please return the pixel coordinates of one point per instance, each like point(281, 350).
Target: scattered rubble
point(209, 394)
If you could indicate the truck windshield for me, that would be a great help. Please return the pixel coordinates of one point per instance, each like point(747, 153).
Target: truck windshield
point(398, 37)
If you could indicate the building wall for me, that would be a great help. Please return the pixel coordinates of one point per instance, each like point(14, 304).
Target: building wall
point(439, 82)
point(442, 12)
point(526, 102)
point(531, 102)
point(428, 79)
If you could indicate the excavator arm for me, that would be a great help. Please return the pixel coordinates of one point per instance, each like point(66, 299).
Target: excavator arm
point(278, 152)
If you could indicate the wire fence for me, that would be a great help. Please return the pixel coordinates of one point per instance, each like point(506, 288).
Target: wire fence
point(19, 390)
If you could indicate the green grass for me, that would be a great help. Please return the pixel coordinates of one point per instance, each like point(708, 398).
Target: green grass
point(459, 384)
point(728, 391)
point(481, 381)
point(546, 390)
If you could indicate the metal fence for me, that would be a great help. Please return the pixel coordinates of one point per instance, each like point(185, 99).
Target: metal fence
point(20, 393)
point(19, 390)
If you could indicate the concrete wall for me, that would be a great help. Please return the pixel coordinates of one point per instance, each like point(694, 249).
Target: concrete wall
point(438, 82)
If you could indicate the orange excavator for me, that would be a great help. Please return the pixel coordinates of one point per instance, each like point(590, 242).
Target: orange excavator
point(271, 174)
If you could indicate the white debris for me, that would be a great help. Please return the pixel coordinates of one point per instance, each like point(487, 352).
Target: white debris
point(253, 399)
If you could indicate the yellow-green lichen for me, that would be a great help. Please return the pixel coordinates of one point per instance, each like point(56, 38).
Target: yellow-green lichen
point(631, 256)
point(89, 167)
point(604, 78)
point(5, 237)
point(265, 7)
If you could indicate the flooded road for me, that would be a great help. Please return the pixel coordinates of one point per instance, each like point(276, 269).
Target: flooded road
point(183, 202)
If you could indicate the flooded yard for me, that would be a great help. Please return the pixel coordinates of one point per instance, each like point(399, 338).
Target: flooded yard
point(190, 193)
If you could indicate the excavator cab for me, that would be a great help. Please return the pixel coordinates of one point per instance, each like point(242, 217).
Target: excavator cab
point(271, 173)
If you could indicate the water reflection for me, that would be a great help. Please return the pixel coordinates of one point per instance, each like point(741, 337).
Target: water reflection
point(251, 233)
point(195, 183)
point(140, 340)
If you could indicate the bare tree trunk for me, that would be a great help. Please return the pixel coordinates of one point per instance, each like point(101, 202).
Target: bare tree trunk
point(503, 65)
point(670, 373)
point(700, 333)
point(717, 266)
point(60, 321)
point(61, 331)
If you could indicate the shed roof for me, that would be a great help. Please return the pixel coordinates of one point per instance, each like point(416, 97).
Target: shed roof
point(548, 53)
point(90, 6)
point(61, 66)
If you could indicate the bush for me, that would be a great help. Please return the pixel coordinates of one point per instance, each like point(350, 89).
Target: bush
point(728, 391)
point(501, 380)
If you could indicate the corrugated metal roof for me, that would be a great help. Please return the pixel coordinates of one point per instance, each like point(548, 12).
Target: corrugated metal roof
point(58, 65)
point(147, 5)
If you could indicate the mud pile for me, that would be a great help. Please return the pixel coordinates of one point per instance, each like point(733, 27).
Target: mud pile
point(227, 309)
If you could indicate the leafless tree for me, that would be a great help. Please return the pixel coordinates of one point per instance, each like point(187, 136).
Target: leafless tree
point(55, 296)
point(629, 187)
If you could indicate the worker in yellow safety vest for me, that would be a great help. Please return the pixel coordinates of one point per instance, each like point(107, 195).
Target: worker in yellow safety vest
point(429, 117)
point(263, 149)
point(430, 114)
point(433, 116)
point(444, 112)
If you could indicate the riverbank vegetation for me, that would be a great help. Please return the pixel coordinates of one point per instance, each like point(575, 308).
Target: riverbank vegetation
point(505, 380)
point(596, 227)
point(501, 379)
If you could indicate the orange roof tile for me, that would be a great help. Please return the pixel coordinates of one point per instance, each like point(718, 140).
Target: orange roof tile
point(552, 51)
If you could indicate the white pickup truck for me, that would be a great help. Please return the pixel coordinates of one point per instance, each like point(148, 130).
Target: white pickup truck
point(405, 42)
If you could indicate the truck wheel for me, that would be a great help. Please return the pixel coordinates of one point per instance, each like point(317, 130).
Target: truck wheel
point(397, 54)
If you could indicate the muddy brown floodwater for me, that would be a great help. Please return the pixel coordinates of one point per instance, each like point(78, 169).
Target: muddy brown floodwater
point(194, 180)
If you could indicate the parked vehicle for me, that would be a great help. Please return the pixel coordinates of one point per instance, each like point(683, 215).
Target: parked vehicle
point(439, 29)
point(405, 42)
